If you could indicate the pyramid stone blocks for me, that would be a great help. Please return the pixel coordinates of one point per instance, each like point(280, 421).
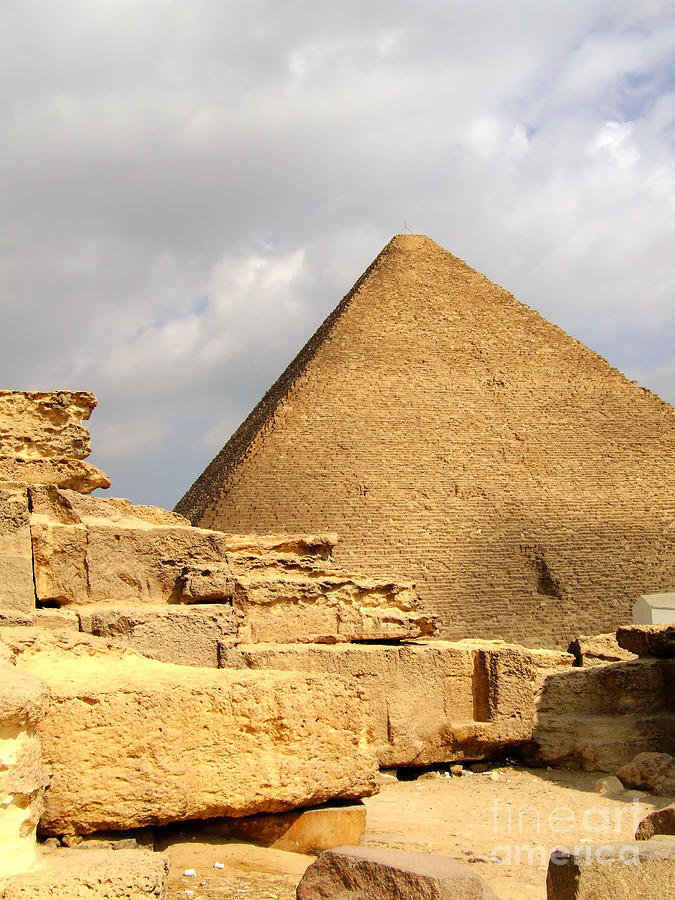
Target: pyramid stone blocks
point(454, 438)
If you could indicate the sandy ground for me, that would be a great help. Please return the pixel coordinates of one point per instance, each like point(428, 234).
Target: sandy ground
point(512, 814)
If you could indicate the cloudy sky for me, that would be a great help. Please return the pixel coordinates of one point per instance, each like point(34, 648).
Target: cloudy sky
point(188, 188)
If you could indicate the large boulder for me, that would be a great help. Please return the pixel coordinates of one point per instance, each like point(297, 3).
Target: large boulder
point(367, 873)
point(611, 871)
point(597, 718)
point(130, 741)
point(661, 821)
point(185, 635)
point(650, 771)
point(104, 550)
point(429, 701)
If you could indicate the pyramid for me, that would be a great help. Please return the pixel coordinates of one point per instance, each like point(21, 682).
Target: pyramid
point(452, 436)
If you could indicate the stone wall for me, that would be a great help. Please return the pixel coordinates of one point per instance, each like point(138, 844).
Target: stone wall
point(454, 438)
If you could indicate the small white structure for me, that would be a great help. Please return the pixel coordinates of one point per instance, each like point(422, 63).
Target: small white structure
point(654, 609)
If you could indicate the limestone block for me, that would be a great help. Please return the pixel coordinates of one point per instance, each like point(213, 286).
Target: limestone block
point(212, 583)
point(185, 635)
point(73, 474)
point(24, 698)
point(599, 717)
point(316, 546)
point(56, 619)
point(368, 873)
point(132, 741)
point(598, 650)
point(661, 821)
point(302, 831)
point(648, 640)
point(329, 609)
point(650, 771)
point(45, 424)
point(100, 550)
point(23, 702)
point(11, 618)
point(85, 874)
point(16, 564)
point(611, 871)
point(429, 702)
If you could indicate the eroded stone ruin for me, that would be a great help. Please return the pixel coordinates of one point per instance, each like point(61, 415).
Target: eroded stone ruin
point(157, 674)
point(453, 437)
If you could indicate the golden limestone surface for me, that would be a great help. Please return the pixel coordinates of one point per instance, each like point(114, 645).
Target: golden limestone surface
point(24, 700)
point(454, 438)
point(131, 741)
point(43, 441)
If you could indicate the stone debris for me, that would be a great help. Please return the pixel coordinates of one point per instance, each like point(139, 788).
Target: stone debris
point(648, 640)
point(366, 873)
point(43, 441)
point(612, 872)
point(24, 700)
point(650, 771)
point(101, 874)
point(598, 650)
point(131, 741)
point(661, 821)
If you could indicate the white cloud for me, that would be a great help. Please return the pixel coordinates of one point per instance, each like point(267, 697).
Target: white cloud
point(188, 189)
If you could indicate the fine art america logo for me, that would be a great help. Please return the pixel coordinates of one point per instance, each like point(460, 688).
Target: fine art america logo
point(510, 824)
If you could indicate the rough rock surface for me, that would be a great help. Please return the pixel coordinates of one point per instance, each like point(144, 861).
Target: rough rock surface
point(598, 650)
point(45, 424)
point(184, 635)
point(16, 562)
point(301, 831)
point(92, 875)
point(612, 872)
point(71, 474)
point(429, 701)
point(367, 873)
point(132, 742)
point(23, 703)
point(598, 718)
point(327, 609)
point(100, 551)
point(648, 640)
point(661, 821)
point(43, 441)
point(650, 771)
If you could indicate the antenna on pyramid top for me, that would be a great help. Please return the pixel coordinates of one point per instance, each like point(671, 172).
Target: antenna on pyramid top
point(406, 230)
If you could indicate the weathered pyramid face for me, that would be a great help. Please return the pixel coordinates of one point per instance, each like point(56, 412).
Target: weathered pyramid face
point(451, 435)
